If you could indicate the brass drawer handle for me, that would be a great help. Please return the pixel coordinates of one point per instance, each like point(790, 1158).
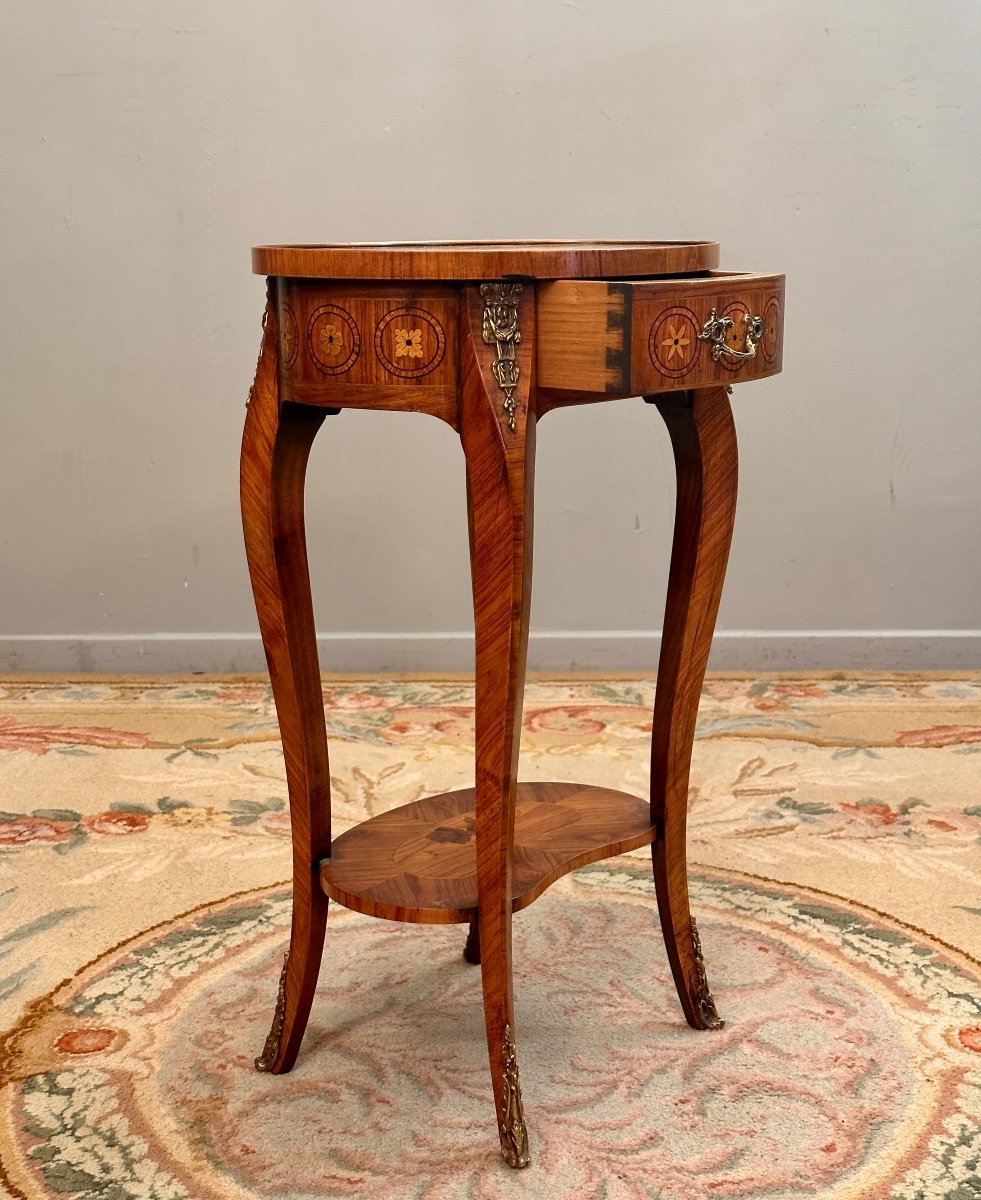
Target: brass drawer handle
point(716, 329)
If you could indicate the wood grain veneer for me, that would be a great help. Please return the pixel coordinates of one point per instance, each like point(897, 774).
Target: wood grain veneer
point(418, 862)
point(703, 438)
point(485, 260)
point(275, 448)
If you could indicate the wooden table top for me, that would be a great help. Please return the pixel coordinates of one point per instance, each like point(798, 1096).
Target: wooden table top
point(485, 260)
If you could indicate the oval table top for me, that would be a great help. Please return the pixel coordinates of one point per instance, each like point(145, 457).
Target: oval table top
point(485, 260)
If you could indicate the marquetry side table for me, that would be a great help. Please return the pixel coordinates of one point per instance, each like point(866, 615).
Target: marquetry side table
point(489, 336)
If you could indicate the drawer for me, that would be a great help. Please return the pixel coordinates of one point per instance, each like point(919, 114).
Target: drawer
point(637, 336)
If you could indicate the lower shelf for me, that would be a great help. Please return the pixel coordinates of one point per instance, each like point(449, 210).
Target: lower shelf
point(418, 862)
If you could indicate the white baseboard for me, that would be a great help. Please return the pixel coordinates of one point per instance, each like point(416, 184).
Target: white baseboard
point(596, 650)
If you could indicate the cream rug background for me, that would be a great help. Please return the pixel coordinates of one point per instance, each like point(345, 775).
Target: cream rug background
point(127, 803)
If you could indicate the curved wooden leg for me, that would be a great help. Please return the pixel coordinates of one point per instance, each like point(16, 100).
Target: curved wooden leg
point(471, 951)
point(275, 448)
point(498, 439)
point(704, 440)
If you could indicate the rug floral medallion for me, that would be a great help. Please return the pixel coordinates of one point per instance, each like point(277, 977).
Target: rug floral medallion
point(834, 831)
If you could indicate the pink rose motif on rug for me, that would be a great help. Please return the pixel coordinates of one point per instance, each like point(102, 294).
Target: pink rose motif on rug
point(940, 735)
point(22, 830)
point(39, 739)
point(116, 823)
point(848, 1067)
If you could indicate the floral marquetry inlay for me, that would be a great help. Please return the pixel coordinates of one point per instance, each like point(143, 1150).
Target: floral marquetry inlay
point(333, 339)
point(289, 337)
point(673, 343)
point(410, 342)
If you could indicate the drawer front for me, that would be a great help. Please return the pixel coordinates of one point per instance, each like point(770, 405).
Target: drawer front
point(365, 334)
point(636, 337)
point(368, 345)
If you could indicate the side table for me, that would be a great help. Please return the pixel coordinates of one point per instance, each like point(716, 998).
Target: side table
point(489, 336)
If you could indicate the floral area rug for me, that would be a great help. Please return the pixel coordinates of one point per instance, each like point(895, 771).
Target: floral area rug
point(834, 842)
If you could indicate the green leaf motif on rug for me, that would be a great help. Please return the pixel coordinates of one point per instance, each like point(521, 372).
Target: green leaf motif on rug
point(621, 695)
point(249, 811)
point(807, 808)
point(167, 804)
point(11, 984)
point(107, 1161)
point(193, 747)
point(147, 972)
point(42, 924)
point(953, 1169)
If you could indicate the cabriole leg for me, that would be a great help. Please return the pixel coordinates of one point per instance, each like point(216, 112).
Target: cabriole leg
point(498, 439)
point(704, 441)
point(275, 448)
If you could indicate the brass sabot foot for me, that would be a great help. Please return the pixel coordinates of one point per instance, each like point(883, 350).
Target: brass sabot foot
point(706, 1004)
point(514, 1133)
point(267, 1059)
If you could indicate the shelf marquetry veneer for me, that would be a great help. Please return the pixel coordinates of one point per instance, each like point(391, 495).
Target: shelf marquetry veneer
point(418, 862)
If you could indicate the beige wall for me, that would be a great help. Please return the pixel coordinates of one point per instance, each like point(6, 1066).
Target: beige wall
point(147, 146)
